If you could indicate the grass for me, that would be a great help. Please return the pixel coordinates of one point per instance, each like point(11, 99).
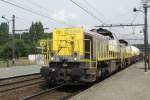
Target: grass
point(3, 64)
point(18, 62)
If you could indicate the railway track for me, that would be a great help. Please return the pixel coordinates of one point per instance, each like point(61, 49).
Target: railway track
point(61, 92)
point(30, 87)
point(13, 83)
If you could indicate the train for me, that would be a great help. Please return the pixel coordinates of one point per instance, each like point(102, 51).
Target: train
point(75, 56)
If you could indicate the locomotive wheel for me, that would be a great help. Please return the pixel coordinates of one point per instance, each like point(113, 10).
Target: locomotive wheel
point(51, 83)
point(98, 74)
point(103, 73)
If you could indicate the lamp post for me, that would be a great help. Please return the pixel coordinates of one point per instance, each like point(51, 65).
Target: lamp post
point(13, 31)
point(146, 56)
point(3, 17)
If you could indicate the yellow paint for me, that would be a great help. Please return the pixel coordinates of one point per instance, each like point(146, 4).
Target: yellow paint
point(43, 43)
point(66, 41)
point(45, 46)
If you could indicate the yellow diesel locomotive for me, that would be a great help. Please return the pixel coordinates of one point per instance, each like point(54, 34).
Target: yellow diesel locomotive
point(74, 56)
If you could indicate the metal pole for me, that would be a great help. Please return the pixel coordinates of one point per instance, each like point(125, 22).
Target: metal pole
point(145, 36)
point(8, 42)
point(147, 45)
point(13, 44)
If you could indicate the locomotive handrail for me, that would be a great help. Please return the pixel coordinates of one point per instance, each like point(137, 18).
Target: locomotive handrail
point(46, 51)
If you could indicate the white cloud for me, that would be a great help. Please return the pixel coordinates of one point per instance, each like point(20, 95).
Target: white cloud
point(65, 16)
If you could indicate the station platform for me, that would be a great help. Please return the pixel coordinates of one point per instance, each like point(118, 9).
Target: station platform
point(131, 83)
point(18, 71)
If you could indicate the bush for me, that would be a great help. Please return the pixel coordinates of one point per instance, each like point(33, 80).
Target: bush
point(21, 49)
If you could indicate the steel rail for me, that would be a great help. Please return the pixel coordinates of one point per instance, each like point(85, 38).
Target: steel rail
point(17, 87)
point(12, 83)
point(2, 79)
point(41, 92)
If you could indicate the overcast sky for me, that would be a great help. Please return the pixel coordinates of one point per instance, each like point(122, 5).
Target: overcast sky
point(64, 11)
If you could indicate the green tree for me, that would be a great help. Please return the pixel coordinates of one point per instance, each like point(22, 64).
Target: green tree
point(36, 31)
point(23, 46)
point(47, 35)
point(4, 33)
point(21, 49)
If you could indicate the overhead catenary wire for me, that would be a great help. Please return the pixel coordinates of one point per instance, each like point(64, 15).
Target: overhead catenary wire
point(88, 12)
point(135, 17)
point(36, 13)
point(91, 6)
point(133, 20)
point(35, 4)
point(125, 14)
point(2, 6)
point(47, 10)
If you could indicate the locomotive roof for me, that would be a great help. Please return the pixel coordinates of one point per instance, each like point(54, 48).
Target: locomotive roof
point(92, 33)
point(104, 32)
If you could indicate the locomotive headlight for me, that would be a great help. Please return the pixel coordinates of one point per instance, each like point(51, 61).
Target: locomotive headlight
point(75, 58)
point(53, 70)
point(52, 58)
